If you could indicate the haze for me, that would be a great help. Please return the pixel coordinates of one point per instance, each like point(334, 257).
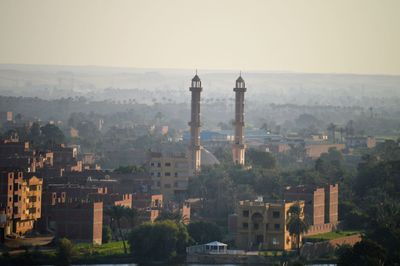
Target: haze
point(303, 36)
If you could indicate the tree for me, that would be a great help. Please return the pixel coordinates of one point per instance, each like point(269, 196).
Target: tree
point(261, 159)
point(158, 241)
point(364, 253)
point(132, 215)
point(204, 232)
point(107, 234)
point(65, 252)
point(51, 136)
point(116, 213)
point(296, 224)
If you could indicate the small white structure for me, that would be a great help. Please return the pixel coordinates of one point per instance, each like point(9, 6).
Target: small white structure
point(210, 248)
point(216, 247)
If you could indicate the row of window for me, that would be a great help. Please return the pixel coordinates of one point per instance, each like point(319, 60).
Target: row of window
point(158, 184)
point(158, 164)
point(158, 174)
point(256, 226)
point(275, 214)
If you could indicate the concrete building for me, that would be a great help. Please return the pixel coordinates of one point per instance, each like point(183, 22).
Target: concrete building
point(262, 225)
point(238, 147)
point(170, 174)
point(195, 146)
point(20, 202)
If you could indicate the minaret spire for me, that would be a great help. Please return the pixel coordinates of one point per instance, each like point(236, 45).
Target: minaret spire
point(195, 146)
point(238, 147)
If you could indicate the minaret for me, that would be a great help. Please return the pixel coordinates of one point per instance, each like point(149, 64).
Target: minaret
point(238, 148)
point(195, 147)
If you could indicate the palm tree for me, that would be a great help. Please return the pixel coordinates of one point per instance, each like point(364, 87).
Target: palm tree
point(116, 213)
point(296, 224)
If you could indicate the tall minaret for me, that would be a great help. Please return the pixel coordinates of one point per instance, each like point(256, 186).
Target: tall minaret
point(238, 148)
point(195, 147)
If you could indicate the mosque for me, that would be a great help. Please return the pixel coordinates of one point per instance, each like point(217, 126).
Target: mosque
point(170, 173)
point(199, 156)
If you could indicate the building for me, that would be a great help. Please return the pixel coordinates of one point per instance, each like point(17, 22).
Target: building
point(149, 205)
point(194, 146)
point(238, 147)
point(360, 142)
point(20, 202)
point(80, 221)
point(314, 151)
point(321, 206)
point(262, 225)
point(170, 174)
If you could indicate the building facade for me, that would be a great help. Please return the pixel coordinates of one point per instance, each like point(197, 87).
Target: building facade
point(20, 202)
point(262, 225)
point(170, 175)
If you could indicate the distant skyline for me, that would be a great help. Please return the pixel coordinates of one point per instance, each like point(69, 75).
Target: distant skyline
point(331, 36)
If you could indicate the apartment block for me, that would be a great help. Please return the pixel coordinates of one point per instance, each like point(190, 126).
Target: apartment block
point(20, 202)
point(170, 175)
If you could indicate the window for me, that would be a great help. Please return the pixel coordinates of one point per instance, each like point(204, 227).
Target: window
point(277, 227)
point(158, 164)
point(176, 174)
point(167, 174)
point(246, 213)
point(152, 164)
point(158, 183)
point(152, 174)
point(168, 164)
point(256, 226)
point(276, 214)
point(266, 226)
point(176, 184)
point(158, 174)
point(245, 225)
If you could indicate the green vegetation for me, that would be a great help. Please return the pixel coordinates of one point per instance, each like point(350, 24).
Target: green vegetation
point(107, 249)
point(204, 232)
point(331, 235)
point(159, 241)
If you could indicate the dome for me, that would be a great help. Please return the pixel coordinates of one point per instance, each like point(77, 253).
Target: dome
point(207, 158)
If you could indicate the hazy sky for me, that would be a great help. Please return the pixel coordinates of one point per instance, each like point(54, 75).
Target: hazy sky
point(355, 36)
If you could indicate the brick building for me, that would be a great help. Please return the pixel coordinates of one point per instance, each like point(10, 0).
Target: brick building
point(321, 206)
point(80, 221)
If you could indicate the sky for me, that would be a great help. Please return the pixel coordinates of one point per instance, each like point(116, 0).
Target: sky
point(317, 36)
